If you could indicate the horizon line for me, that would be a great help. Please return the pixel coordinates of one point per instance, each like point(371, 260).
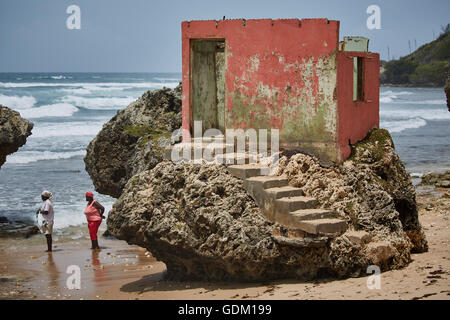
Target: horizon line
point(90, 71)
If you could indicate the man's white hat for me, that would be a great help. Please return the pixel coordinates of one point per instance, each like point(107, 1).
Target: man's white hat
point(46, 194)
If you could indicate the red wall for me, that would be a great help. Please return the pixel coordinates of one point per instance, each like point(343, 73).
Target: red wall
point(288, 74)
point(292, 93)
point(356, 118)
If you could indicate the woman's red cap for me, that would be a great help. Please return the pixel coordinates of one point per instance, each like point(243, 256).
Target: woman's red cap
point(89, 194)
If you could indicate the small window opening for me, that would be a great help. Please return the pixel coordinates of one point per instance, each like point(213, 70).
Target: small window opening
point(358, 87)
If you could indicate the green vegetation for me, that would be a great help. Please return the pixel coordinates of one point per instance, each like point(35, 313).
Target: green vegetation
point(138, 131)
point(147, 133)
point(399, 71)
point(427, 66)
point(375, 143)
point(430, 73)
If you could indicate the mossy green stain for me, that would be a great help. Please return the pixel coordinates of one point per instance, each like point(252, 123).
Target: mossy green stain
point(148, 134)
point(375, 143)
point(138, 130)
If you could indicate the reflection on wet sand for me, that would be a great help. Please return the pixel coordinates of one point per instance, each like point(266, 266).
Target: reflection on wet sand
point(52, 272)
point(99, 271)
point(103, 272)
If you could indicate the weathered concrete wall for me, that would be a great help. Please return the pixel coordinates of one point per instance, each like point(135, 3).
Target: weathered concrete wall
point(356, 118)
point(280, 74)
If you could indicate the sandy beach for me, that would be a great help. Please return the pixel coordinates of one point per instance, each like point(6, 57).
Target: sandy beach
point(122, 271)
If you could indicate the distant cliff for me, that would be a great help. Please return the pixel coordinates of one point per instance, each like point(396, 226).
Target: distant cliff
point(14, 131)
point(425, 67)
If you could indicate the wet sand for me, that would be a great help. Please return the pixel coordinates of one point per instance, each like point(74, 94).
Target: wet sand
point(121, 271)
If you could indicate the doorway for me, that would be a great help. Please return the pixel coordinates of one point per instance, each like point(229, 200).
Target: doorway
point(208, 83)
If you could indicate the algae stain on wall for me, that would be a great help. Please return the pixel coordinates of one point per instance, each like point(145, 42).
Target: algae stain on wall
point(303, 108)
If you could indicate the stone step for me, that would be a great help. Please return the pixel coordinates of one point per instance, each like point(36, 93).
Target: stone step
point(287, 205)
point(325, 227)
point(236, 158)
point(205, 150)
point(216, 147)
point(218, 138)
point(283, 192)
point(312, 214)
point(266, 182)
point(244, 171)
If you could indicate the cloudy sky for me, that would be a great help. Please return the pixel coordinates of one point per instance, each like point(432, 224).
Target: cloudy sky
point(145, 35)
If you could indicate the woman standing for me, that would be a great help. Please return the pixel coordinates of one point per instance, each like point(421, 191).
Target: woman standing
point(94, 214)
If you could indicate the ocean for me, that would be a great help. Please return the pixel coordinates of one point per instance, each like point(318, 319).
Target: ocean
point(69, 109)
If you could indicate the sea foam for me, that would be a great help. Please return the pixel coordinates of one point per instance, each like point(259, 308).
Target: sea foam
point(63, 129)
point(400, 125)
point(51, 110)
point(98, 103)
point(16, 102)
point(404, 114)
point(24, 157)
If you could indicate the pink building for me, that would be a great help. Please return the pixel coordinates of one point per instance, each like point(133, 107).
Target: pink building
point(288, 74)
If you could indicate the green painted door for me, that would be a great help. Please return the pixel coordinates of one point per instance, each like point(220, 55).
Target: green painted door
point(204, 83)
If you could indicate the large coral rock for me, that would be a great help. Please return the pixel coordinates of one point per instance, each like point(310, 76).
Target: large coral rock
point(372, 189)
point(133, 140)
point(14, 131)
point(201, 222)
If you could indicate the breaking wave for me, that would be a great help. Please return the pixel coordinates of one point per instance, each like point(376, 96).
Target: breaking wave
point(24, 157)
point(52, 110)
point(400, 125)
point(16, 102)
point(73, 128)
point(98, 103)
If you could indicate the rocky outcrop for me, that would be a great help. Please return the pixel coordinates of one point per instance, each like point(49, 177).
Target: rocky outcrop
point(200, 221)
point(372, 189)
point(16, 229)
point(14, 131)
point(202, 224)
point(447, 89)
point(441, 180)
point(133, 140)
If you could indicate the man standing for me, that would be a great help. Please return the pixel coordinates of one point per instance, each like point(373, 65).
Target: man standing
point(47, 212)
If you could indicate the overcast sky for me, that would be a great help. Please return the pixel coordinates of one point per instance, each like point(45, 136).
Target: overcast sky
point(145, 35)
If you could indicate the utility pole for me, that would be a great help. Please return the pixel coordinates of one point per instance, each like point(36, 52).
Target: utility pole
point(389, 56)
point(409, 44)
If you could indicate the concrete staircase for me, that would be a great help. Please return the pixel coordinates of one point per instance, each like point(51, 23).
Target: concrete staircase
point(288, 205)
point(213, 149)
point(304, 224)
